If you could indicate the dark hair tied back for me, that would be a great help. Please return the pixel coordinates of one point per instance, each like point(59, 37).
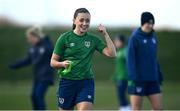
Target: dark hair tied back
point(79, 10)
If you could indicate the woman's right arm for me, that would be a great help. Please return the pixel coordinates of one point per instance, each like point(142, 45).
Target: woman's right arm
point(55, 63)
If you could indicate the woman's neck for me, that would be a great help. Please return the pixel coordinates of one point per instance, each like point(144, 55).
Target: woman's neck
point(78, 32)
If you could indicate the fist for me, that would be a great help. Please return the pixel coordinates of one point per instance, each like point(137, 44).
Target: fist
point(65, 63)
point(101, 29)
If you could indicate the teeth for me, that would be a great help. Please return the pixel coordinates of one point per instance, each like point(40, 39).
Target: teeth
point(84, 26)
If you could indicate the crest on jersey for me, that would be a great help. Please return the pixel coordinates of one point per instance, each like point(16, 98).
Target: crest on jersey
point(87, 44)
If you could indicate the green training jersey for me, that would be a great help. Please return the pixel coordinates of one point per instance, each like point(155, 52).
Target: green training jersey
point(120, 68)
point(79, 50)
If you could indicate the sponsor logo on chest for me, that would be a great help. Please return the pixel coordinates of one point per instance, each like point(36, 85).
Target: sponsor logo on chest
point(72, 44)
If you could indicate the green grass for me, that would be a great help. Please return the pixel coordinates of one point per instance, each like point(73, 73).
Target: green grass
point(17, 96)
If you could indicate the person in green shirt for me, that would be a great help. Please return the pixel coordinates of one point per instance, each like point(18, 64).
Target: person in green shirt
point(120, 75)
point(72, 57)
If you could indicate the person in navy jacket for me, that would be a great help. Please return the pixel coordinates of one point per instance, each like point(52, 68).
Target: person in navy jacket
point(144, 72)
point(38, 56)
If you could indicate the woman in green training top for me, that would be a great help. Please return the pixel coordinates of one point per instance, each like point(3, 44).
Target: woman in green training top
point(75, 49)
point(120, 75)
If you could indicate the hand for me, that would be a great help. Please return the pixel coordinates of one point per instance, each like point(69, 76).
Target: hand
point(102, 29)
point(65, 63)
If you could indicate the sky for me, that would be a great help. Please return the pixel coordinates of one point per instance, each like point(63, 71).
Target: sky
point(108, 12)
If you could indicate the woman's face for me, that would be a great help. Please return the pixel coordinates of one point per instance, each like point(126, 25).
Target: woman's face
point(147, 27)
point(31, 39)
point(82, 22)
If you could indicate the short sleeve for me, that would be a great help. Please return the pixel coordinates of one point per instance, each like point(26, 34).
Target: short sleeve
point(59, 46)
point(100, 45)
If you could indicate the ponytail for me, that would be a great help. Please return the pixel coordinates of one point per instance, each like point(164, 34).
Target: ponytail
point(73, 26)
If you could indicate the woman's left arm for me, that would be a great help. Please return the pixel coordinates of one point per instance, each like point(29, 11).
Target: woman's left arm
point(110, 50)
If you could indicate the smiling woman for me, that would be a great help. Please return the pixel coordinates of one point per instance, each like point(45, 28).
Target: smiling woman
point(74, 51)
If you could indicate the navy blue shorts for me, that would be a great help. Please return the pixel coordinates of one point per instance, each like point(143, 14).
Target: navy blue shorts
point(143, 88)
point(71, 92)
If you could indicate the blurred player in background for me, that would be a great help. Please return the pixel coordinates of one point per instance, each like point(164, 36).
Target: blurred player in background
point(38, 56)
point(120, 76)
point(75, 49)
point(143, 67)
